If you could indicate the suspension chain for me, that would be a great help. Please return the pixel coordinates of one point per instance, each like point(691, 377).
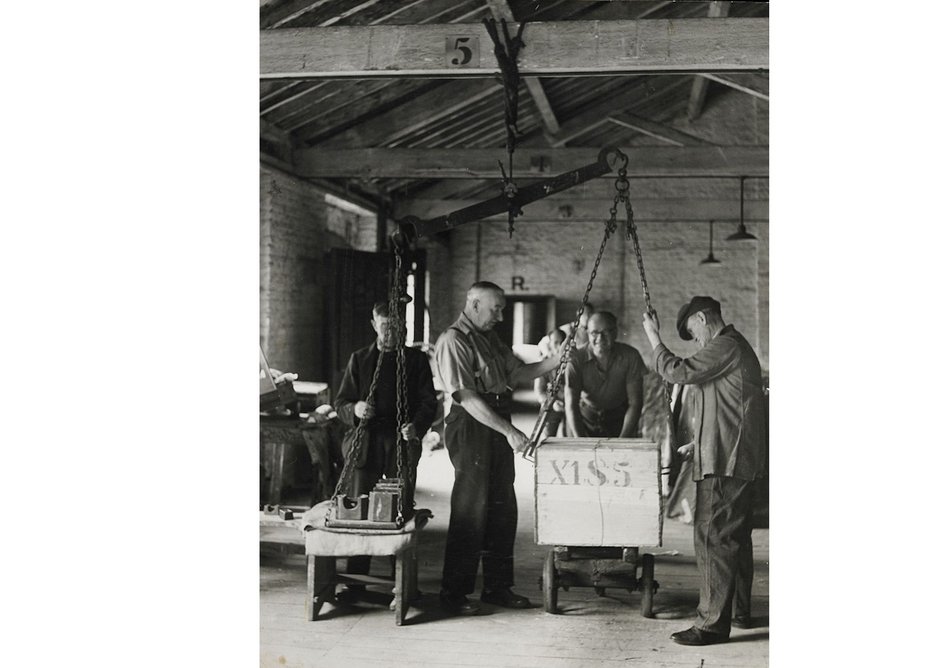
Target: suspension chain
point(506, 55)
point(402, 408)
point(622, 188)
point(631, 231)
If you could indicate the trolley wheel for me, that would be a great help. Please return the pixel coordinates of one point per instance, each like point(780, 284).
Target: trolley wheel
point(600, 591)
point(647, 585)
point(549, 583)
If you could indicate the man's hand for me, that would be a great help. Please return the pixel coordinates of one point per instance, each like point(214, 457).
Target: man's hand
point(517, 440)
point(559, 406)
point(363, 410)
point(652, 328)
point(685, 452)
point(651, 324)
point(408, 431)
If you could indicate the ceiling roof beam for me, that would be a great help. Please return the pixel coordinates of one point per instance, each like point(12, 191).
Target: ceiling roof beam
point(409, 117)
point(597, 115)
point(567, 48)
point(458, 163)
point(747, 82)
point(657, 130)
point(700, 84)
point(280, 15)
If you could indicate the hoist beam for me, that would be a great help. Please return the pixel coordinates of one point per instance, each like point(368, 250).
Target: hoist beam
point(412, 228)
point(566, 48)
point(482, 163)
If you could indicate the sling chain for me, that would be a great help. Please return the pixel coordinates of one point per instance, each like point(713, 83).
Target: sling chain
point(402, 409)
point(401, 391)
point(622, 194)
point(632, 232)
point(510, 79)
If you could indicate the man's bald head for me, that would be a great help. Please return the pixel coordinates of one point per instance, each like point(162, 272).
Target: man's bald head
point(484, 304)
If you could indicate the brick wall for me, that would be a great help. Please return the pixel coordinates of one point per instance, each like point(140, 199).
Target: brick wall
point(557, 259)
point(297, 228)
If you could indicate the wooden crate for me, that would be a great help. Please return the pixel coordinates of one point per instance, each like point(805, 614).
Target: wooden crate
point(598, 491)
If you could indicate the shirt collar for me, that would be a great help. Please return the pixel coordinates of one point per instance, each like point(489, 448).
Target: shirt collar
point(613, 355)
point(466, 325)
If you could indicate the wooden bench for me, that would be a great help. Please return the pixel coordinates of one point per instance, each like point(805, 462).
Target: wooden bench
point(324, 545)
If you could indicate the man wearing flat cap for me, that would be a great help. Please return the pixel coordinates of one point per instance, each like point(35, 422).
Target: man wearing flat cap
point(728, 453)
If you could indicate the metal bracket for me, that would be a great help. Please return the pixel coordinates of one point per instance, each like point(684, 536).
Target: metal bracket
point(412, 228)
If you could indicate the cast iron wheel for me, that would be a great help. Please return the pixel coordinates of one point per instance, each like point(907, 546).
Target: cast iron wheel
point(647, 585)
point(549, 583)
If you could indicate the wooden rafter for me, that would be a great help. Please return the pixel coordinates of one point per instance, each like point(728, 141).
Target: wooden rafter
point(747, 82)
point(483, 163)
point(596, 115)
point(409, 117)
point(700, 84)
point(553, 48)
point(657, 130)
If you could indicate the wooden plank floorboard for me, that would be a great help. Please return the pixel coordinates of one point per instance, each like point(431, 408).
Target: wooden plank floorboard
point(591, 631)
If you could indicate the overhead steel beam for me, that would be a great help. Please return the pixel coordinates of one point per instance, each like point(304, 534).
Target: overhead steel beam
point(567, 48)
point(411, 163)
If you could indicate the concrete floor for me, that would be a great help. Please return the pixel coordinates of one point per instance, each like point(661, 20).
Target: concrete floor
point(589, 631)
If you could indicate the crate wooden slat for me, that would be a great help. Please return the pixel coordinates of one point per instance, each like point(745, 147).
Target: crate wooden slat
point(598, 491)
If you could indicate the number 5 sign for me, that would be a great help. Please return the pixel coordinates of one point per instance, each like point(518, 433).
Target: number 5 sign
point(462, 52)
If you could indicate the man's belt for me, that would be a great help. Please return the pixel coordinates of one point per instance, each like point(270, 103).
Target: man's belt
point(500, 401)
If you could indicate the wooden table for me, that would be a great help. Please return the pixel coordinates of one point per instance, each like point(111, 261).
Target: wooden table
point(323, 547)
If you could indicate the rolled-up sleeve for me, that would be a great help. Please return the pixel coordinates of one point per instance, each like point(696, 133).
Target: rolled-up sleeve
point(709, 363)
point(454, 361)
point(573, 372)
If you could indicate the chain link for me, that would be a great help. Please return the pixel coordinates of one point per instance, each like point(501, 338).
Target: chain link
point(402, 409)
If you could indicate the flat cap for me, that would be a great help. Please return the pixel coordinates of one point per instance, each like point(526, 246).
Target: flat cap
point(695, 305)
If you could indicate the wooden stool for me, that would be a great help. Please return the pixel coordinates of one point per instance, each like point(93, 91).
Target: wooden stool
point(325, 545)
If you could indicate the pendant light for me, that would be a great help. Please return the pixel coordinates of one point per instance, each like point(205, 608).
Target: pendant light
point(710, 259)
point(741, 234)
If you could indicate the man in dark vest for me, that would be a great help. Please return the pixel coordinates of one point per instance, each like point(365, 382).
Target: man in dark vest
point(378, 446)
point(478, 371)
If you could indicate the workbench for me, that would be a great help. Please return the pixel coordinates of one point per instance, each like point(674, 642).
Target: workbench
point(326, 544)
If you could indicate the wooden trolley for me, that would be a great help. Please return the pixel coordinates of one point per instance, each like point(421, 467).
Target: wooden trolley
point(594, 498)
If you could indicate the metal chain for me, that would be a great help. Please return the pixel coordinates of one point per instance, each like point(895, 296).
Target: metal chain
point(352, 460)
point(611, 225)
point(506, 54)
point(402, 409)
point(631, 231)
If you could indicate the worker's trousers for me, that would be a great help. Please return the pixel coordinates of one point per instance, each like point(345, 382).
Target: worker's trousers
point(483, 519)
point(723, 542)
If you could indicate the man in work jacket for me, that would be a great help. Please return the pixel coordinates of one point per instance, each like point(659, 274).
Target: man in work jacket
point(377, 454)
point(729, 453)
point(478, 371)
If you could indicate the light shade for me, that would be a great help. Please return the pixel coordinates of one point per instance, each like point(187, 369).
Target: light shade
point(741, 234)
point(710, 259)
